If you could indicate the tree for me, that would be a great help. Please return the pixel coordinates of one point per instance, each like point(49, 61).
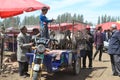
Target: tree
point(99, 20)
point(108, 18)
point(74, 17)
point(81, 18)
point(105, 18)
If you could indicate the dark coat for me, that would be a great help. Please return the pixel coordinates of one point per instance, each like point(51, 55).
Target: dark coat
point(114, 44)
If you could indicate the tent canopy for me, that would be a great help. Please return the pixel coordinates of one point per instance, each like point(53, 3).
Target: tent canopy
point(11, 8)
point(106, 26)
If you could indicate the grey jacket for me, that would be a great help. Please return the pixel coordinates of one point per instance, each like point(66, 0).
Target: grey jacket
point(22, 46)
point(114, 44)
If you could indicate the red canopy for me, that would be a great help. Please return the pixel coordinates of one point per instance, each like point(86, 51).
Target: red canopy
point(107, 25)
point(62, 26)
point(11, 8)
point(67, 26)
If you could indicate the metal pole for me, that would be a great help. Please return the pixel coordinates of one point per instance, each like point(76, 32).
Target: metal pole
point(72, 34)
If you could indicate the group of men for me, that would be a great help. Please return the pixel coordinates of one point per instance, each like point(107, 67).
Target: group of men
point(98, 39)
point(24, 45)
point(24, 42)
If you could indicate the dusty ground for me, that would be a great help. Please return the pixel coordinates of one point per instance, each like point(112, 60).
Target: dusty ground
point(101, 71)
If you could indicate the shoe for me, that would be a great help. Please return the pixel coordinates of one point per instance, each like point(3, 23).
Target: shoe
point(50, 73)
point(90, 67)
point(26, 75)
point(119, 75)
point(84, 67)
point(115, 74)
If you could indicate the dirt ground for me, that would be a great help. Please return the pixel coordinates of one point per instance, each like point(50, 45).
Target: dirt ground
point(101, 71)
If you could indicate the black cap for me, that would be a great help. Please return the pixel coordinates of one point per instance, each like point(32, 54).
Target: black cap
point(44, 8)
point(21, 27)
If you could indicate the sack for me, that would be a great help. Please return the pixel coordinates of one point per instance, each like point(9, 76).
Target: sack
point(106, 44)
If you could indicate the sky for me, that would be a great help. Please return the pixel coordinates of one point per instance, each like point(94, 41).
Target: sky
point(90, 9)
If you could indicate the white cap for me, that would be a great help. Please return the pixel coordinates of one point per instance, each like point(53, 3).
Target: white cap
point(113, 26)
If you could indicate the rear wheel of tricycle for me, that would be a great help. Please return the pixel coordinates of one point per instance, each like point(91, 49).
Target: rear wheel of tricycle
point(36, 75)
point(77, 66)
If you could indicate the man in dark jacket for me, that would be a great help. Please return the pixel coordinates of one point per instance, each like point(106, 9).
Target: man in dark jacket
point(98, 40)
point(114, 50)
point(89, 48)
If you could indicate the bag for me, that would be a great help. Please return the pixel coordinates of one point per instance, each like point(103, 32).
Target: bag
point(106, 44)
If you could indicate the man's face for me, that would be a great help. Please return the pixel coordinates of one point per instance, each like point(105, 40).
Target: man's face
point(45, 11)
point(111, 29)
point(24, 30)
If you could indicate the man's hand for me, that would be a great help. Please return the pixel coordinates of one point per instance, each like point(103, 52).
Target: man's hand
point(53, 20)
point(30, 44)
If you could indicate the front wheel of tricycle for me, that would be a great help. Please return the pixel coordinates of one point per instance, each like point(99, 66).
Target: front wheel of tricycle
point(76, 66)
point(36, 75)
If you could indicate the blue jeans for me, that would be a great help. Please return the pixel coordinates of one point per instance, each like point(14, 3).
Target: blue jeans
point(48, 62)
point(44, 32)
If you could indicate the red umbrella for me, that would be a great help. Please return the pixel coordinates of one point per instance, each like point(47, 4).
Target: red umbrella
point(11, 8)
point(106, 26)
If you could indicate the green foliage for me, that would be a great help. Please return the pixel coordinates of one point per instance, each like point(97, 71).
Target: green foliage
point(66, 17)
point(11, 22)
point(105, 18)
point(30, 20)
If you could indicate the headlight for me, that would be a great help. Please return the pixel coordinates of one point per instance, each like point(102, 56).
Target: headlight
point(41, 48)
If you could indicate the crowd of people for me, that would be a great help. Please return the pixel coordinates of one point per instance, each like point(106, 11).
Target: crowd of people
point(85, 44)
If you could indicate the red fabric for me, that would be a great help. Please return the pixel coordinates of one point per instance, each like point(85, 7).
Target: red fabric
point(107, 25)
point(67, 26)
point(62, 26)
point(11, 8)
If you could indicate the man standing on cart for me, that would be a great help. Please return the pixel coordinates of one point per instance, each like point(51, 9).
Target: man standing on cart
point(45, 34)
point(44, 23)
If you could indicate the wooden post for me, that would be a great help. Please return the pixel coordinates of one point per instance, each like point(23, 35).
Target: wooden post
point(73, 33)
point(2, 35)
point(1, 52)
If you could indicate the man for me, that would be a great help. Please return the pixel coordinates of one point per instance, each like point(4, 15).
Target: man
point(44, 23)
point(98, 39)
point(114, 50)
point(23, 46)
point(35, 34)
point(89, 48)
